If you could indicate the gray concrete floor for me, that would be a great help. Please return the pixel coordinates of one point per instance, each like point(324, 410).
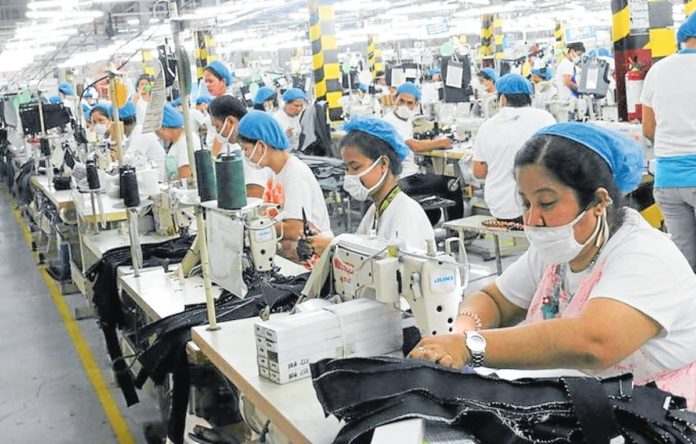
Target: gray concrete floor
point(46, 396)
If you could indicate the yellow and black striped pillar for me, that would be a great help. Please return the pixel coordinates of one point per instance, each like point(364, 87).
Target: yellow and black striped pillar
point(689, 7)
point(663, 37)
point(498, 39)
point(148, 64)
point(486, 50)
point(205, 51)
point(327, 70)
point(374, 56)
point(559, 34)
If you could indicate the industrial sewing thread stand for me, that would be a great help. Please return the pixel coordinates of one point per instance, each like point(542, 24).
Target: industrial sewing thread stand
point(183, 75)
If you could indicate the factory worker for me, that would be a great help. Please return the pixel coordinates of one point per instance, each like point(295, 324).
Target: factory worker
point(266, 99)
point(412, 181)
point(432, 88)
point(669, 101)
point(217, 78)
point(225, 114)
point(172, 134)
point(372, 151)
point(67, 93)
point(600, 290)
point(140, 148)
point(488, 99)
point(544, 89)
point(499, 140)
point(566, 72)
point(199, 116)
point(141, 98)
point(487, 78)
point(289, 115)
point(293, 186)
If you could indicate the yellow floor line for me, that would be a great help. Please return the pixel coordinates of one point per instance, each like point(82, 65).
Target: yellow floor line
point(113, 413)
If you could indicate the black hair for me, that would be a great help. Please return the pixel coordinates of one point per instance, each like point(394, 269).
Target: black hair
point(577, 46)
point(212, 70)
point(578, 168)
point(226, 106)
point(373, 148)
point(241, 139)
point(517, 100)
point(258, 107)
point(483, 75)
point(130, 120)
point(142, 77)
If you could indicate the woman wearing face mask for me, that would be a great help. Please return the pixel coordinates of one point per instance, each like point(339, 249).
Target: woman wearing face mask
point(372, 151)
point(225, 113)
point(600, 290)
point(293, 186)
point(172, 134)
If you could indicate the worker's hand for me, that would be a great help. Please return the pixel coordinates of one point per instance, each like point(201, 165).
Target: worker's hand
point(447, 350)
point(445, 143)
point(319, 243)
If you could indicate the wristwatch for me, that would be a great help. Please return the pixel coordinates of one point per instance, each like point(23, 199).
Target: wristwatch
point(477, 347)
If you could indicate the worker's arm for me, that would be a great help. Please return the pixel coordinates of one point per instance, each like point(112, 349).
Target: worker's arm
point(568, 81)
point(254, 190)
point(320, 243)
point(184, 172)
point(290, 229)
point(423, 146)
point(492, 308)
point(217, 147)
point(649, 123)
point(480, 169)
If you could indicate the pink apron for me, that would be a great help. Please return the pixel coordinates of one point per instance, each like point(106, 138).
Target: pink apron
point(552, 300)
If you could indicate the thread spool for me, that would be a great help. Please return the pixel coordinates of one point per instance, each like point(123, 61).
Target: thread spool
point(205, 175)
point(229, 170)
point(121, 170)
point(92, 175)
point(129, 188)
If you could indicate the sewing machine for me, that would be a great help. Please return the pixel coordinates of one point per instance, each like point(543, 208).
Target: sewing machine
point(431, 282)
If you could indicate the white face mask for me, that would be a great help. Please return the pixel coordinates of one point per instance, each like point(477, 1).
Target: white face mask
point(354, 186)
point(101, 129)
point(404, 112)
point(557, 245)
point(222, 139)
point(256, 165)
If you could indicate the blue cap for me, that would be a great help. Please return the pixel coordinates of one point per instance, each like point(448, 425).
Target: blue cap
point(102, 108)
point(55, 99)
point(172, 117)
point(513, 84)
point(86, 110)
point(126, 111)
point(66, 88)
point(380, 129)
point(489, 73)
point(258, 125)
point(262, 94)
point(203, 99)
point(544, 73)
point(434, 71)
point(623, 155)
point(294, 94)
point(688, 29)
point(221, 70)
point(411, 89)
point(176, 102)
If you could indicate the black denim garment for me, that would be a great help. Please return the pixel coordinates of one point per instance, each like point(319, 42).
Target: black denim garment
point(369, 392)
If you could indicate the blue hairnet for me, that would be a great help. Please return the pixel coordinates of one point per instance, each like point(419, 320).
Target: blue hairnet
point(66, 88)
point(172, 117)
point(513, 84)
point(434, 71)
point(687, 29)
point(262, 94)
point(363, 87)
point(103, 108)
point(623, 155)
point(411, 89)
point(55, 99)
point(258, 125)
point(294, 94)
point(126, 111)
point(489, 73)
point(380, 129)
point(176, 102)
point(203, 99)
point(86, 110)
point(221, 70)
point(544, 73)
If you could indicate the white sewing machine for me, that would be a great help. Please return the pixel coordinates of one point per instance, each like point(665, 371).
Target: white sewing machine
point(432, 282)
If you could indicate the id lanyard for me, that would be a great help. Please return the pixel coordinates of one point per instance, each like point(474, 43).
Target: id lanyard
point(385, 204)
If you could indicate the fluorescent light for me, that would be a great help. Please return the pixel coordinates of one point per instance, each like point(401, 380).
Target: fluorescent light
point(57, 14)
point(52, 4)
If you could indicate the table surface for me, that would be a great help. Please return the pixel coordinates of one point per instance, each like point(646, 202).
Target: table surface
point(103, 241)
point(113, 208)
point(292, 407)
point(475, 223)
point(455, 153)
point(60, 198)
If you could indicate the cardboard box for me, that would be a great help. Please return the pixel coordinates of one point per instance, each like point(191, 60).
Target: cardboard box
point(297, 326)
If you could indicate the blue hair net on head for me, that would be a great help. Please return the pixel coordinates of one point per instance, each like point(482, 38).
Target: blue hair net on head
point(489, 73)
point(380, 129)
point(86, 110)
point(126, 111)
point(623, 155)
point(172, 117)
point(687, 29)
point(102, 108)
point(363, 87)
point(176, 102)
point(513, 84)
point(203, 99)
point(409, 88)
point(294, 94)
point(545, 73)
point(434, 71)
point(55, 99)
point(221, 70)
point(66, 88)
point(259, 125)
point(262, 94)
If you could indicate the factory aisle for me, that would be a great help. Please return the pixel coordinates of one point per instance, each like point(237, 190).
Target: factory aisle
point(46, 393)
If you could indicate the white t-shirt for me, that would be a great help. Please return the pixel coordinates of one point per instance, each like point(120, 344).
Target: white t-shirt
point(179, 152)
point(287, 122)
point(140, 110)
point(148, 146)
point(497, 143)
point(670, 90)
point(295, 188)
point(643, 269)
point(405, 130)
point(404, 218)
point(565, 68)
